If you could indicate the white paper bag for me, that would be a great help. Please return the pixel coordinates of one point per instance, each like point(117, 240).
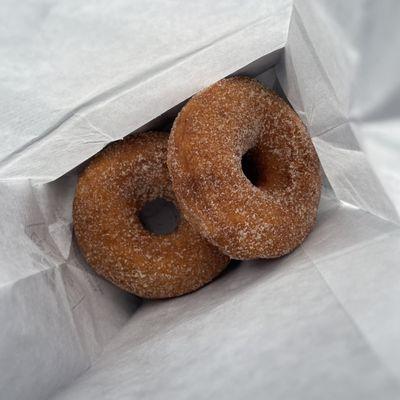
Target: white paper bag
point(320, 323)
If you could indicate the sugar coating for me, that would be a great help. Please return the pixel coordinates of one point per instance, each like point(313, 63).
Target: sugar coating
point(208, 139)
point(110, 193)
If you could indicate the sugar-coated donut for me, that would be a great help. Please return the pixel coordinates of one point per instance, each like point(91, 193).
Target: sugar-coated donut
point(214, 130)
point(110, 193)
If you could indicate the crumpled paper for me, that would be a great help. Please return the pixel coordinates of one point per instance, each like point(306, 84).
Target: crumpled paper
point(81, 75)
point(321, 322)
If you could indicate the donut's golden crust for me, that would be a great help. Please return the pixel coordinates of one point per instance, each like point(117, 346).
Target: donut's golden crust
point(110, 193)
point(208, 139)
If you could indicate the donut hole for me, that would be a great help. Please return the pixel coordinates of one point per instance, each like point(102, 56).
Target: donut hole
point(266, 170)
point(159, 216)
point(250, 167)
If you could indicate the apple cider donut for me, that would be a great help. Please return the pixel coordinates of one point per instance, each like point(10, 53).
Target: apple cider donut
point(111, 192)
point(238, 119)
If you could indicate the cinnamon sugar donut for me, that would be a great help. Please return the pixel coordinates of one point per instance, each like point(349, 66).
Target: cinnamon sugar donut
point(238, 117)
point(110, 193)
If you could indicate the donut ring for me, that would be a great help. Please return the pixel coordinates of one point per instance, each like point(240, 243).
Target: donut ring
point(212, 133)
point(110, 193)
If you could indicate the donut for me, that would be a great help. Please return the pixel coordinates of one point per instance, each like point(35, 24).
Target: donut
point(267, 213)
point(111, 192)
